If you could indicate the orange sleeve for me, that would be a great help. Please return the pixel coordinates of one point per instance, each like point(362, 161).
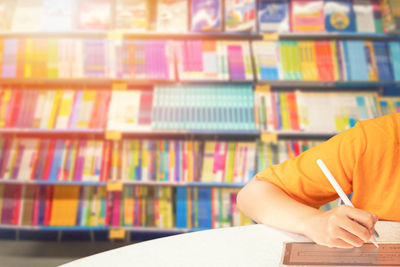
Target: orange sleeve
point(302, 179)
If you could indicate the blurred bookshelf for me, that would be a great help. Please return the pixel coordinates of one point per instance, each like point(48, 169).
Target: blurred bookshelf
point(150, 121)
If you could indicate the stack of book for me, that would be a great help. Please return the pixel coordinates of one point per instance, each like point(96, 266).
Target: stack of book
point(141, 206)
point(130, 111)
point(214, 60)
point(34, 205)
point(183, 161)
point(208, 107)
point(88, 58)
point(28, 159)
point(326, 60)
point(389, 105)
point(320, 112)
point(53, 109)
point(275, 153)
point(205, 207)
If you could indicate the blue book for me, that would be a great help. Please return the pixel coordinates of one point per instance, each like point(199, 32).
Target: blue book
point(43, 150)
point(59, 150)
point(205, 15)
point(42, 204)
point(383, 62)
point(356, 61)
point(273, 16)
point(204, 207)
point(395, 59)
point(339, 16)
point(181, 207)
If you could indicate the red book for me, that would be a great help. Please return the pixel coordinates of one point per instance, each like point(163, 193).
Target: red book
point(293, 112)
point(94, 117)
point(17, 204)
point(296, 148)
point(49, 160)
point(48, 204)
point(105, 161)
point(15, 109)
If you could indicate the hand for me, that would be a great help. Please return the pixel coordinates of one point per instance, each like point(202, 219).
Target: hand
point(341, 227)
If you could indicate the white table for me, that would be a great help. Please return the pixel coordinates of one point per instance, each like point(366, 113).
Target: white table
point(254, 245)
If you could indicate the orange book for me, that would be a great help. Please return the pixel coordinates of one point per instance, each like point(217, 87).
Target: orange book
point(64, 205)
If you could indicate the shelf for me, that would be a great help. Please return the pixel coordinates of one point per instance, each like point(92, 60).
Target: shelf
point(52, 133)
point(193, 35)
point(125, 182)
point(40, 182)
point(94, 228)
point(303, 135)
point(106, 83)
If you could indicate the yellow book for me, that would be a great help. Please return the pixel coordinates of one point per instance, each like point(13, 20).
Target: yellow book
point(54, 109)
point(169, 213)
point(207, 173)
point(4, 101)
point(52, 59)
point(86, 105)
point(65, 111)
point(64, 205)
point(189, 207)
point(285, 118)
point(29, 56)
point(336, 70)
point(171, 160)
point(128, 206)
point(304, 61)
point(312, 61)
point(102, 206)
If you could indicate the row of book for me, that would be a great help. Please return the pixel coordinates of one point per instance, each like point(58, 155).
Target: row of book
point(201, 107)
point(90, 58)
point(313, 111)
point(269, 153)
point(134, 206)
point(195, 15)
point(33, 205)
point(327, 60)
point(184, 107)
point(174, 161)
point(194, 60)
point(54, 109)
point(389, 105)
point(204, 207)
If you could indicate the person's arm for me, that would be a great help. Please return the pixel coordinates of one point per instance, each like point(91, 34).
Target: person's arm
point(342, 226)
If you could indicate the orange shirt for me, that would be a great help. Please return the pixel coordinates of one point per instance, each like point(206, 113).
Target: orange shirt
point(364, 160)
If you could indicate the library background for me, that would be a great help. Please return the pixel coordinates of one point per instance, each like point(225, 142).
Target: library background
point(134, 119)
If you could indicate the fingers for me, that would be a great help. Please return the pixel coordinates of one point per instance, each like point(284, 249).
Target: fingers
point(356, 229)
point(363, 217)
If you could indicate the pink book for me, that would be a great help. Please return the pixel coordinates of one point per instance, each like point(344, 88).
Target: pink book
point(307, 15)
point(116, 209)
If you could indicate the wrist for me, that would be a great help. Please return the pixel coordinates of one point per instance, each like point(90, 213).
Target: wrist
point(309, 222)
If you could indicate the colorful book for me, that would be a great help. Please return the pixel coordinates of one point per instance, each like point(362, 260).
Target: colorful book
point(206, 15)
point(273, 16)
point(131, 15)
point(339, 16)
point(95, 15)
point(240, 15)
point(307, 16)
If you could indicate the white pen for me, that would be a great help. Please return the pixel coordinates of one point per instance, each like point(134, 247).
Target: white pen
point(340, 192)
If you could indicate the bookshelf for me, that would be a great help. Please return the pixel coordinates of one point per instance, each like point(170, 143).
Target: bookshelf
point(268, 146)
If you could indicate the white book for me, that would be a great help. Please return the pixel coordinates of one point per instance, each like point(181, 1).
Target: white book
point(57, 15)
point(172, 16)
point(27, 15)
point(364, 14)
point(25, 167)
point(37, 118)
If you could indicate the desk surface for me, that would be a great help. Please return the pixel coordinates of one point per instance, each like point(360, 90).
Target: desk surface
point(253, 245)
